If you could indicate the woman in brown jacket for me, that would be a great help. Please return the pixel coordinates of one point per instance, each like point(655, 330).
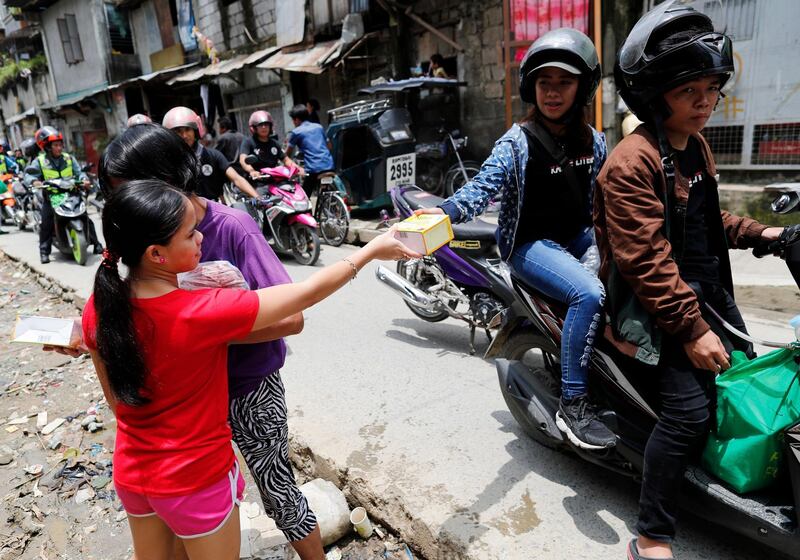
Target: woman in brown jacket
point(664, 245)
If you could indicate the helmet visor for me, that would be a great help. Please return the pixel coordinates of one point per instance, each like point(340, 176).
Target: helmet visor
point(558, 64)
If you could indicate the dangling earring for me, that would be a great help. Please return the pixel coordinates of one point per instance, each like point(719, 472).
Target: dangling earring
point(162, 260)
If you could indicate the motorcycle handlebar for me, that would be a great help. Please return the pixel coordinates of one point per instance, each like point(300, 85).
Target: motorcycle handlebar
point(790, 235)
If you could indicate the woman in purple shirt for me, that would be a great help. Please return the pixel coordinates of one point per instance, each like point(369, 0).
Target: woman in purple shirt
point(257, 403)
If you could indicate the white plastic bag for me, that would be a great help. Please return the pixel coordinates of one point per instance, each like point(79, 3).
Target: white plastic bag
point(212, 274)
point(591, 258)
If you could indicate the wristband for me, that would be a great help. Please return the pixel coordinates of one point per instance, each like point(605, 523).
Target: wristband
point(353, 266)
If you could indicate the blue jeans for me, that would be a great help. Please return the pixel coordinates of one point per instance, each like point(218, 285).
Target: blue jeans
point(556, 271)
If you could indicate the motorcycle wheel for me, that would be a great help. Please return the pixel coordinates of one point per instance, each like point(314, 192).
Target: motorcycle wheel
point(305, 244)
point(429, 176)
point(334, 220)
point(454, 179)
point(421, 312)
point(34, 218)
point(527, 346)
point(80, 249)
point(8, 215)
point(19, 220)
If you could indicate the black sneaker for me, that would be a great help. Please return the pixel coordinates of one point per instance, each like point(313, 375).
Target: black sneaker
point(45, 258)
point(97, 249)
point(578, 420)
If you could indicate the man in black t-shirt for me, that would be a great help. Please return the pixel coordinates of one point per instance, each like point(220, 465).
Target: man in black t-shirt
point(214, 168)
point(695, 261)
point(263, 146)
point(228, 141)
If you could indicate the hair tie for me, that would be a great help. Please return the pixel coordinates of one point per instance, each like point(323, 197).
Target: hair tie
point(109, 259)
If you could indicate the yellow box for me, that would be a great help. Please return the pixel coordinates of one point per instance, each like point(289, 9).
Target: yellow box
point(425, 233)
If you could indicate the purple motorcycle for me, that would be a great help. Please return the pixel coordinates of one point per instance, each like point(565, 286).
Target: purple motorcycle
point(463, 280)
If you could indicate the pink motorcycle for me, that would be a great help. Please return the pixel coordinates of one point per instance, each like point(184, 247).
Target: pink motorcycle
point(284, 214)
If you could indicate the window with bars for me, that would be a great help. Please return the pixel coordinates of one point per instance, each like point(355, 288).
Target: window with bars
point(70, 40)
point(119, 30)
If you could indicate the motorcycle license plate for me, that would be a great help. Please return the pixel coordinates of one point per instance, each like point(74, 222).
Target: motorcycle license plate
point(401, 170)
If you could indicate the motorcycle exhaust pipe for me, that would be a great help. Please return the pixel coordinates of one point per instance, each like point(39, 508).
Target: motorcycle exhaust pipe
point(406, 289)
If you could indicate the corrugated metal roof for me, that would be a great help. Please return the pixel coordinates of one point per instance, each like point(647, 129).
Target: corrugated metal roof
point(152, 75)
point(312, 61)
point(223, 67)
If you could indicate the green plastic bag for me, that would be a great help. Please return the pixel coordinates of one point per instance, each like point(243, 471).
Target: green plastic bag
point(756, 400)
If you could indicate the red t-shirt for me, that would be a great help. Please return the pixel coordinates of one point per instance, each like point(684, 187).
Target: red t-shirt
point(179, 442)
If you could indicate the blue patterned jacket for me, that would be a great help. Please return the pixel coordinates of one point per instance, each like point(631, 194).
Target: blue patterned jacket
point(504, 170)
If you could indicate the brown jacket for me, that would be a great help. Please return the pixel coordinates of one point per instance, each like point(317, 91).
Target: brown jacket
point(629, 221)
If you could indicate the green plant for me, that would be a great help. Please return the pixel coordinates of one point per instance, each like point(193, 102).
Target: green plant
point(10, 69)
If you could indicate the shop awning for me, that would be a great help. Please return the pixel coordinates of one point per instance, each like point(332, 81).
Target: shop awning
point(160, 74)
point(76, 97)
point(312, 61)
point(223, 67)
point(19, 116)
point(411, 83)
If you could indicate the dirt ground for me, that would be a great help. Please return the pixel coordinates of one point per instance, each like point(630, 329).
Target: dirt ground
point(55, 476)
point(779, 303)
point(56, 493)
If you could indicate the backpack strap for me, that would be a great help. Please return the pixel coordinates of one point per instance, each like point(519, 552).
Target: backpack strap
point(535, 130)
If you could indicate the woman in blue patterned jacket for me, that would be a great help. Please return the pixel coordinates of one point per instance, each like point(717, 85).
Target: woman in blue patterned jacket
point(545, 167)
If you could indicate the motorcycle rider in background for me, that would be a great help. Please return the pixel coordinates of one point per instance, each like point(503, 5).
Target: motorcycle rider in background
point(7, 165)
point(21, 160)
point(262, 145)
point(310, 139)
point(138, 118)
point(213, 166)
point(54, 163)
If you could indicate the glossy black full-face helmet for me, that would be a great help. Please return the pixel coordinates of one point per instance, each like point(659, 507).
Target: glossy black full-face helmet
point(671, 45)
point(564, 48)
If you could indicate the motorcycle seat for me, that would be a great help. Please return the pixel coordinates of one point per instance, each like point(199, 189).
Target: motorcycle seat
point(559, 307)
point(476, 230)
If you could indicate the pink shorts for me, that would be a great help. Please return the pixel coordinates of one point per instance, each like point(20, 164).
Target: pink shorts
point(197, 515)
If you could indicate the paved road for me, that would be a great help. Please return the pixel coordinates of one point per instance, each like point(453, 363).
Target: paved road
point(400, 406)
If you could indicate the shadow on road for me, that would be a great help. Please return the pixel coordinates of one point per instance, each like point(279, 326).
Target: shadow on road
point(448, 338)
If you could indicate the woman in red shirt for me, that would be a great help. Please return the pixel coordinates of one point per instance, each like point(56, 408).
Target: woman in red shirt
point(161, 356)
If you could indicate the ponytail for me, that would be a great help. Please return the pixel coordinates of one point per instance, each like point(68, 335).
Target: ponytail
point(137, 215)
point(116, 335)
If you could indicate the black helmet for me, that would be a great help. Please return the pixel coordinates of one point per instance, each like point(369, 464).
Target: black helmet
point(299, 112)
point(564, 48)
point(29, 147)
point(672, 44)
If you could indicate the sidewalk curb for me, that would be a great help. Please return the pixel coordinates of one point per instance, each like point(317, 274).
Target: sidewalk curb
point(48, 282)
point(386, 507)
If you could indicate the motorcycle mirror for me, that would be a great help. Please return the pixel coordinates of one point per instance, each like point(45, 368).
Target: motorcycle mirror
point(251, 160)
point(785, 203)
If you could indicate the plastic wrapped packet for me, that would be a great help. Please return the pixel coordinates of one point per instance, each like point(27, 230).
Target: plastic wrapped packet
point(591, 258)
point(212, 274)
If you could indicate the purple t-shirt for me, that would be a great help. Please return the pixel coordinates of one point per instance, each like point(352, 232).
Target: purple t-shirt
point(232, 235)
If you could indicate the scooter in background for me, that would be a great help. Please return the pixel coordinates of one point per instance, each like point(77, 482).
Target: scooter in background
point(284, 213)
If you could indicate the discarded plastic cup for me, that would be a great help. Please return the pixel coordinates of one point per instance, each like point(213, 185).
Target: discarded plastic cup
point(361, 523)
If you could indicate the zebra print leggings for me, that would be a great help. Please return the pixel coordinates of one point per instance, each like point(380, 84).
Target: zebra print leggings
point(260, 430)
